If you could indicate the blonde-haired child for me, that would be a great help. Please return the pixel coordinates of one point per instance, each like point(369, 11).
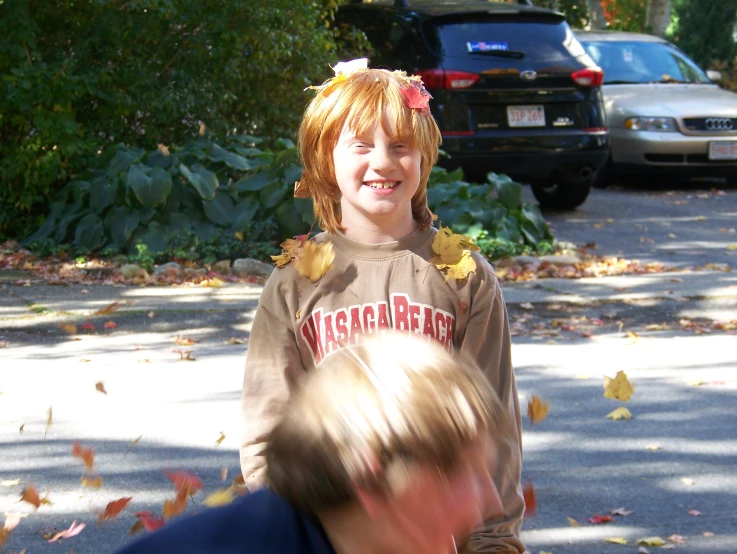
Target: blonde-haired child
point(368, 144)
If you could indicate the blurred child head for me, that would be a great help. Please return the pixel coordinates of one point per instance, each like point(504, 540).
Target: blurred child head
point(397, 429)
point(360, 100)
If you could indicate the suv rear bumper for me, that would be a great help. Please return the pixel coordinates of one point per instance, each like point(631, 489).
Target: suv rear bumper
point(534, 155)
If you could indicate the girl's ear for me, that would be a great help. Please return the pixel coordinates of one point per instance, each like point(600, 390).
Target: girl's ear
point(373, 500)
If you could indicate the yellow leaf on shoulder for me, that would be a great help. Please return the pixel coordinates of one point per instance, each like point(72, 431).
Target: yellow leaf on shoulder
point(620, 413)
point(462, 269)
point(315, 260)
point(220, 498)
point(618, 388)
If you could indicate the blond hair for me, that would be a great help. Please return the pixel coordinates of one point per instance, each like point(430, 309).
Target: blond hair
point(372, 411)
point(359, 101)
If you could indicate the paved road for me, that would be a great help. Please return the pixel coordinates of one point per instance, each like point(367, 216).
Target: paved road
point(581, 463)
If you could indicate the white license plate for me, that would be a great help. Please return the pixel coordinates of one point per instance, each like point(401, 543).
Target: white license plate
point(723, 150)
point(526, 116)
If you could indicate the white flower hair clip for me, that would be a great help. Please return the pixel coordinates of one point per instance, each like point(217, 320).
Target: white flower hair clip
point(346, 68)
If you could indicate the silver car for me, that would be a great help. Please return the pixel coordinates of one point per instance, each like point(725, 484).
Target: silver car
point(666, 115)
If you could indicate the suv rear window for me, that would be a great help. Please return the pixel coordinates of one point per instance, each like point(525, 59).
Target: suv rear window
point(513, 37)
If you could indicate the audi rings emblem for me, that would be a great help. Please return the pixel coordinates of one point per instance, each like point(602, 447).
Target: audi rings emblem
point(528, 75)
point(719, 124)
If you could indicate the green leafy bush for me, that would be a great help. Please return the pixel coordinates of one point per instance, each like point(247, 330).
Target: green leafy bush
point(79, 77)
point(492, 214)
point(203, 200)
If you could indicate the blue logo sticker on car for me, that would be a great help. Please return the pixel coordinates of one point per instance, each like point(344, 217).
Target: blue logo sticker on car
point(486, 46)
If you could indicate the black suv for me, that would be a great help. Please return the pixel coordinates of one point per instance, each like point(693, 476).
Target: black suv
point(513, 90)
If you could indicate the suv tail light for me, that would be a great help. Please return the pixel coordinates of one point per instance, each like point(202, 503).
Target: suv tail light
point(589, 77)
point(440, 78)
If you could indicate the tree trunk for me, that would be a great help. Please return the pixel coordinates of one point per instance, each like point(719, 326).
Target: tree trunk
point(596, 14)
point(658, 16)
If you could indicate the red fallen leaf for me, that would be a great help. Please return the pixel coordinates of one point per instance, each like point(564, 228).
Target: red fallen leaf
point(528, 492)
point(110, 325)
point(185, 483)
point(87, 455)
point(694, 513)
point(73, 530)
point(87, 327)
point(113, 509)
point(600, 519)
point(415, 98)
point(150, 523)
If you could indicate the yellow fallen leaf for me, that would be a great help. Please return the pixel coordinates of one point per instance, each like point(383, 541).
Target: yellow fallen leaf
point(573, 522)
point(732, 247)
point(213, 283)
point(616, 540)
point(677, 539)
point(291, 249)
point(544, 552)
point(620, 413)
point(633, 337)
point(460, 271)
point(449, 247)
point(695, 382)
point(315, 260)
point(537, 409)
point(653, 447)
point(651, 541)
point(49, 421)
point(221, 438)
point(618, 388)
point(688, 481)
point(91, 482)
point(220, 498)
point(68, 328)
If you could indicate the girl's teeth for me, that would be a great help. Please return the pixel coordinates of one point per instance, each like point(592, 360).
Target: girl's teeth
point(382, 185)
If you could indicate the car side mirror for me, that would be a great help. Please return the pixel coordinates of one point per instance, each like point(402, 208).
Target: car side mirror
point(715, 76)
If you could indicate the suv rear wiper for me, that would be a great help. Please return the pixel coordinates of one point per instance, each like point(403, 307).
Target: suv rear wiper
point(517, 54)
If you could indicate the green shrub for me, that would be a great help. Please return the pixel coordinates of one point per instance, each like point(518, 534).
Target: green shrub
point(78, 77)
point(204, 200)
point(492, 214)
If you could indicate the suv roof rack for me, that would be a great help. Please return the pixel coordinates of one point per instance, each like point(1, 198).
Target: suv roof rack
point(405, 3)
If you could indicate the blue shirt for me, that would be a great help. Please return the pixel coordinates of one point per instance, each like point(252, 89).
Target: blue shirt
point(260, 522)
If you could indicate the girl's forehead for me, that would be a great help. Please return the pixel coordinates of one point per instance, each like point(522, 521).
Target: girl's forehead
point(369, 125)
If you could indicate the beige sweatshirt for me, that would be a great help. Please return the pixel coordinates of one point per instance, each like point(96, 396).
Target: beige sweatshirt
point(370, 288)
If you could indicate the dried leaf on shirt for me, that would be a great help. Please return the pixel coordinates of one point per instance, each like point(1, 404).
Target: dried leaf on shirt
point(314, 260)
point(453, 254)
point(291, 248)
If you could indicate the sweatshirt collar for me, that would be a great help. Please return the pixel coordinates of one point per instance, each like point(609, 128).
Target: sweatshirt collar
point(410, 242)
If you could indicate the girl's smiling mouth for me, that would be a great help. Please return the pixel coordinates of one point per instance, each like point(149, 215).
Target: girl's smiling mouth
point(381, 184)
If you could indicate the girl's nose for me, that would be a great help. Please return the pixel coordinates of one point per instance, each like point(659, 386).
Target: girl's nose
point(380, 158)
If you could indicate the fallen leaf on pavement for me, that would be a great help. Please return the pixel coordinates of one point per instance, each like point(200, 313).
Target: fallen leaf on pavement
point(708, 534)
point(653, 447)
point(68, 328)
point(87, 455)
point(213, 282)
point(147, 522)
point(618, 388)
point(135, 442)
point(634, 337)
point(113, 509)
point(599, 519)
point(695, 382)
point(573, 522)
point(110, 325)
point(694, 513)
point(220, 498)
point(11, 522)
point(643, 550)
point(100, 386)
point(221, 438)
point(87, 327)
point(527, 306)
point(185, 355)
point(173, 508)
point(223, 473)
point(113, 307)
point(91, 482)
point(20, 429)
point(651, 541)
point(10, 482)
point(49, 421)
point(687, 481)
point(677, 539)
point(616, 540)
point(528, 492)
point(184, 482)
point(73, 530)
point(619, 413)
point(621, 512)
point(233, 340)
point(537, 409)
point(185, 341)
point(30, 495)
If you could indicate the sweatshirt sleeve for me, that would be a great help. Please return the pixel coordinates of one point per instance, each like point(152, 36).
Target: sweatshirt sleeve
point(487, 339)
point(273, 365)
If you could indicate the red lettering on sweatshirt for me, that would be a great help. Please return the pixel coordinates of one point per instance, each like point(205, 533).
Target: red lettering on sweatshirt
point(325, 333)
